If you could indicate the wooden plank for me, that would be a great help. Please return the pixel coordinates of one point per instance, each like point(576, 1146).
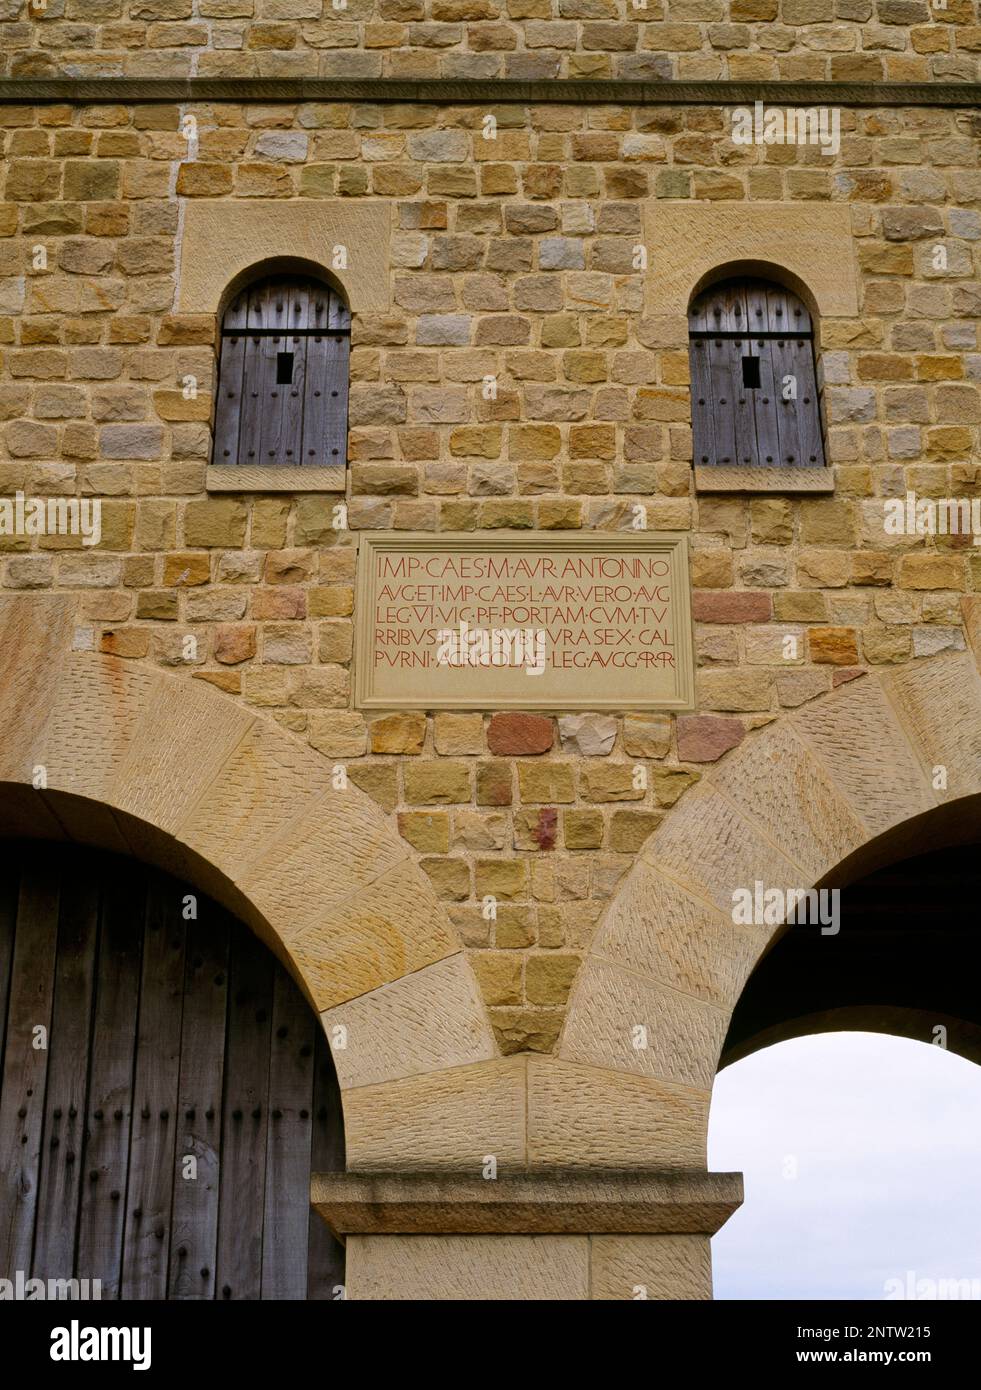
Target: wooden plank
point(765, 406)
point(59, 1190)
point(325, 1254)
point(702, 412)
point(293, 394)
point(800, 436)
point(9, 887)
point(778, 315)
point(24, 1065)
point(194, 1221)
point(251, 424)
point(313, 449)
point(272, 400)
point(244, 1119)
point(263, 297)
point(236, 316)
point(301, 312)
point(757, 307)
point(286, 1221)
point(811, 433)
point(698, 311)
point(105, 1160)
point(340, 314)
point(146, 1244)
point(723, 388)
point(230, 399)
point(736, 320)
point(337, 377)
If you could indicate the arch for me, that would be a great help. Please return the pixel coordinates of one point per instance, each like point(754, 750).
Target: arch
point(175, 1048)
point(819, 797)
point(769, 269)
point(271, 267)
point(125, 757)
point(903, 958)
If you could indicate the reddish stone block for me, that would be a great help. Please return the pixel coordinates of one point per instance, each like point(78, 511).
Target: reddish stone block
point(703, 738)
point(730, 606)
point(234, 643)
point(519, 734)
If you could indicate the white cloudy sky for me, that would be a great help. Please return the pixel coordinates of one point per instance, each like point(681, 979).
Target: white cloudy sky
point(887, 1139)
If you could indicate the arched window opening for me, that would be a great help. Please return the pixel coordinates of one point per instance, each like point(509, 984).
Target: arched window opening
point(753, 378)
point(283, 376)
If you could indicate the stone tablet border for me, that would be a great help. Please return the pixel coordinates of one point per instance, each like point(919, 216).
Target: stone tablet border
point(673, 543)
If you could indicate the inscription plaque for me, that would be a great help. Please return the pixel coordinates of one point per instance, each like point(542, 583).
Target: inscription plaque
point(539, 621)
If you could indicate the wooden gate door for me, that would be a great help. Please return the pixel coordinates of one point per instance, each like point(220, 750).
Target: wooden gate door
point(166, 1090)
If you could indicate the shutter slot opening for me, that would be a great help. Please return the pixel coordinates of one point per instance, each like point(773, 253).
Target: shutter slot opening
point(751, 373)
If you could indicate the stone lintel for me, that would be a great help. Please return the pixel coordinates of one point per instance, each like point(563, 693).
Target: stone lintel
point(548, 1202)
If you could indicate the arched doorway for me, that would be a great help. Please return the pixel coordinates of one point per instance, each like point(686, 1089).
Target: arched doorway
point(841, 1138)
point(166, 1090)
point(905, 959)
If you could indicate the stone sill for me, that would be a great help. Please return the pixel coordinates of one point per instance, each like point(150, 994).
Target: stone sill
point(549, 1202)
point(709, 479)
point(261, 478)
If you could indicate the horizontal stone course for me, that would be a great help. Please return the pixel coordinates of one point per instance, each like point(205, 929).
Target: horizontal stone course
point(881, 40)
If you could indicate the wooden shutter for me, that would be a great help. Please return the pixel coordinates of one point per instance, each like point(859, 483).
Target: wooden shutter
point(166, 1039)
point(753, 381)
point(283, 377)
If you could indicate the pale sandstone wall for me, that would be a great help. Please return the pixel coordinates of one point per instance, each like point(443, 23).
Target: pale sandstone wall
point(510, 258)
point(793, 40)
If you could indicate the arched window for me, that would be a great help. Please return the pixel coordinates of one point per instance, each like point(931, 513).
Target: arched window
point(283, 376)
point(753, 378)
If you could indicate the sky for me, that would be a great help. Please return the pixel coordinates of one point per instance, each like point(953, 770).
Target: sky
point(861, 1156)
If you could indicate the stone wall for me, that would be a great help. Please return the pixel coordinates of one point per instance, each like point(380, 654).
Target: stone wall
point(755, 40)
point(511, 258)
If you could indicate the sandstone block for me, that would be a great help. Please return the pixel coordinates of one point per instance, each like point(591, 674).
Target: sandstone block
point(520, 735)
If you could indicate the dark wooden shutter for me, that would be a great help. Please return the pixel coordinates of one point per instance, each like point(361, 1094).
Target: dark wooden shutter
point(166, 1038)
point(283, 376)
point(748, 341)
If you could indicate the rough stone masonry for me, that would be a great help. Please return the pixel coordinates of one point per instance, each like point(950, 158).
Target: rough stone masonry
point(511, 258)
